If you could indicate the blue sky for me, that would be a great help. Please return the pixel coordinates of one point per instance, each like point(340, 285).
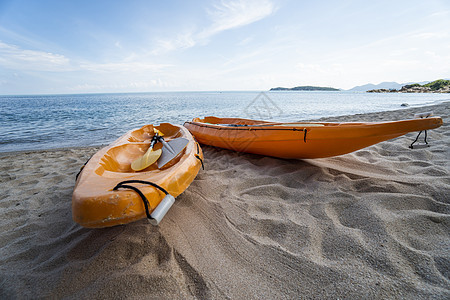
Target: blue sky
point(142, 46)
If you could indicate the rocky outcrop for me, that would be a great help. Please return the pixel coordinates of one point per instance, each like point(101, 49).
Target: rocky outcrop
point(438, 86)
point(382, 91)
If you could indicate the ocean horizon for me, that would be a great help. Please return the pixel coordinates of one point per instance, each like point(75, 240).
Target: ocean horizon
point(39, 122)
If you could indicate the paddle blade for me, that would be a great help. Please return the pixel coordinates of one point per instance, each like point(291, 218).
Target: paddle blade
point(146, 160)
point(171, 150)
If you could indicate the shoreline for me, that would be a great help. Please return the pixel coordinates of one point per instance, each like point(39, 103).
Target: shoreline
point(344, 118)
point(389, 115)
point(62, 149)
point(372, 224)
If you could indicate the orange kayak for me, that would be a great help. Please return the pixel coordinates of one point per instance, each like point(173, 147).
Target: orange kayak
point(108, 192)
point(300, 139)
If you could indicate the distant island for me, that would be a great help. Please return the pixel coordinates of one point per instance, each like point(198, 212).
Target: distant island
point(304, 88)
point(437, 86)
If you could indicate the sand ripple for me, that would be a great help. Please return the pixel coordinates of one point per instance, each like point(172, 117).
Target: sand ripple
point(373, 224)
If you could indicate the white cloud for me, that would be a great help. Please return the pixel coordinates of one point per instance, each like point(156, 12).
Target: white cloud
point(233, 14)
point(430, 35)
point(439, 14)
point(12, 56)
point(119, 87)
point(182, 41)
point(120, 67)
point(225, 15)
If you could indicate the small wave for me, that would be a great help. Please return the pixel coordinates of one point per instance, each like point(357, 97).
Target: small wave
point(97, 129)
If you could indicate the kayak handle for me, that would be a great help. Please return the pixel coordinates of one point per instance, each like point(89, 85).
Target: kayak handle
point(162, 208)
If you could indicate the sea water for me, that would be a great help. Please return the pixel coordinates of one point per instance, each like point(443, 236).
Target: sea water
point(57, 121)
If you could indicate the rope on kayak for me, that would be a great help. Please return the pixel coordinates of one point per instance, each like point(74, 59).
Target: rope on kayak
point(125, 185)
point(197, 156)
point(245, 127)
point(421, 116)
point(81, 169)
point(79, 172)
point(249, 128)
point(425, 139)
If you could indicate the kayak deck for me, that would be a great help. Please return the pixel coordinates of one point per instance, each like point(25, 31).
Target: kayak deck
point(95, 203)
point(300, 140)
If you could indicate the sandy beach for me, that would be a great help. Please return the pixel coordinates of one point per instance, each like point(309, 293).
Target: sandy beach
point(373, 224)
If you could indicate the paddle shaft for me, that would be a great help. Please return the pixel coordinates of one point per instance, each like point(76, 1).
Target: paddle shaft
point(165, 144)
point(153, 142)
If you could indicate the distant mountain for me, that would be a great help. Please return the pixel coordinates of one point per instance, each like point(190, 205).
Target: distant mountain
point(383, 85)
point(304, 88)
point(437, 86)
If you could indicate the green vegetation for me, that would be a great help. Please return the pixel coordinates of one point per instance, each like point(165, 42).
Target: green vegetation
point(437, 84)
point(304, 88)
point(408, 86)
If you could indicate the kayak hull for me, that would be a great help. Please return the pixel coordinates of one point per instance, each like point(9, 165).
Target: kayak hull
point(94, 202)
point(300, 140)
